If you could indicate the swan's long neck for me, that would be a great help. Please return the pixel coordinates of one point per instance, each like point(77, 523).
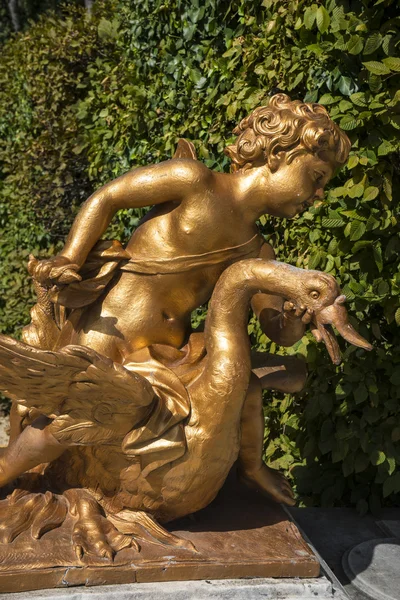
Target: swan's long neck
point(227, 372)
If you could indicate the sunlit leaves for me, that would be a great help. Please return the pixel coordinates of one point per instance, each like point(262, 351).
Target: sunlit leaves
point(322, 18)
point(370, 193)
point(355, 44)
point(117, 96)
point(373, 42)
point(348, 122)
point(392, 63)
point(377, 68)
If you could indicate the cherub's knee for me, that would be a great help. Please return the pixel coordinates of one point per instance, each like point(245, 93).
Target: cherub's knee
point(296, 376)
point(290, 379)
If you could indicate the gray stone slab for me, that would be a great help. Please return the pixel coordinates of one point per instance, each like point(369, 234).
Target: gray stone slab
point(373, 568)
point(391, 526)
point(334, 531)
point(228, 589)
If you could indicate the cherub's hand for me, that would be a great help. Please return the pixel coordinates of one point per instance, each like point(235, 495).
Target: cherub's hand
point(56, 270)
point(292, 313)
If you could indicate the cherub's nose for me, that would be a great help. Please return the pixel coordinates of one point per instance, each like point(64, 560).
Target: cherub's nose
point(319, 194)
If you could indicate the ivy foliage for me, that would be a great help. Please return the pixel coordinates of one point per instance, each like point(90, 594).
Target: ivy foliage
point(83, 100)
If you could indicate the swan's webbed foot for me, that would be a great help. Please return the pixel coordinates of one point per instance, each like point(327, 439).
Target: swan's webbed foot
point(270, 482)
point(94, 534)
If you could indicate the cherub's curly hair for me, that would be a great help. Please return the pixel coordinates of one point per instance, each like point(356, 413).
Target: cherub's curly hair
point(293, 127)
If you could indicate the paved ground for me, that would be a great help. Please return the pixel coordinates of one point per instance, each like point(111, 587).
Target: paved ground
point(334, 531)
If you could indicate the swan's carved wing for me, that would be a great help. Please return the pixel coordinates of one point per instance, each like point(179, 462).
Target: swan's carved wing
point(91, 398)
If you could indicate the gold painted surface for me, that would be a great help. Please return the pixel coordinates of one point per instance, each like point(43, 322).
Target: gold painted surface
point(123, 418)
point(239, 535)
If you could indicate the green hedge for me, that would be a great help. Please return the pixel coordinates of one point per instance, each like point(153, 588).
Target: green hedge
point(83, 100)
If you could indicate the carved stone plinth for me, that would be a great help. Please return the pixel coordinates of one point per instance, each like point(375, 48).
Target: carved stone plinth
point(240, 534)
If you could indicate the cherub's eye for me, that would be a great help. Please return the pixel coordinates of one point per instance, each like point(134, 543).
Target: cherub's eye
point(318, 177)
point(314, 294)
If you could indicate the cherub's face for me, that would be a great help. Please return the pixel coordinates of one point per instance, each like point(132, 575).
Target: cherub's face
point(293, 187)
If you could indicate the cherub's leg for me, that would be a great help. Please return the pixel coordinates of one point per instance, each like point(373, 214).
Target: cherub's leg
point(289, 379)
point(252, 470)
point(33, 446)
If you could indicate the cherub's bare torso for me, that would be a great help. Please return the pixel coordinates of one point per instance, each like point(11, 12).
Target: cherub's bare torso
point(139, 310)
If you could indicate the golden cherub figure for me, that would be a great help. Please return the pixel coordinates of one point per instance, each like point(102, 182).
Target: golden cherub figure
point(137, 417)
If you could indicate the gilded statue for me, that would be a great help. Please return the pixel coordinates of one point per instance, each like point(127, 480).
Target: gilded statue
point(122, 415)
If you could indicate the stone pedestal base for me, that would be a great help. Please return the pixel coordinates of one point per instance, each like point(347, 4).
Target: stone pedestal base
point(215, 589)
point(239, 535)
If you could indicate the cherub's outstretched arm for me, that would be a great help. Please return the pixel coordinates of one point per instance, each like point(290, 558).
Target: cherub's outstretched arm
point(169, 181)
point(282, 322)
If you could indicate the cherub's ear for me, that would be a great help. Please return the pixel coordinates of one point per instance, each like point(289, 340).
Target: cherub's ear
point(275, 160)
point(185, 149)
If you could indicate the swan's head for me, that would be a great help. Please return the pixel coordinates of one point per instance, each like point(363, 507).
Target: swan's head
point(321, 293)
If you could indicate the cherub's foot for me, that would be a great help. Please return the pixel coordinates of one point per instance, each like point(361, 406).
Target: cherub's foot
point(94, 534)
point(270, 482)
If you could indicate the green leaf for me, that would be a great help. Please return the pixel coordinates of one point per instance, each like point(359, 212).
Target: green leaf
point(357, 230)
point(386, 148)
point(374, 82)
point(323, 19)
point(352, 162)
point(348, 122)
point(310, 16)
point(299, 78)
point(377, 252)
point(359, 99)
point(391, 485)
point(356, 191)
point(387, 185)
point(373, 42)
point(392, 464)
point(370, 193)
point(108, 29)
point(392, 63)
point(376, 68)
point(345, 85)
point(327, 99)
point(395, 377)
point(315, 259)
point(377, 457)
point(316, 49)
point(397, 316)
point(330, 223)
point(345, 105)
point(360, 393)
point(355, 45)
point(396, 434)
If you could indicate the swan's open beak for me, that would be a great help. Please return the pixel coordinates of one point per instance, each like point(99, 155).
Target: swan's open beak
point(336, 315)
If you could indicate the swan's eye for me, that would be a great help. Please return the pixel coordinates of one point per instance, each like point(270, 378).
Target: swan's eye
point(314, 294)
